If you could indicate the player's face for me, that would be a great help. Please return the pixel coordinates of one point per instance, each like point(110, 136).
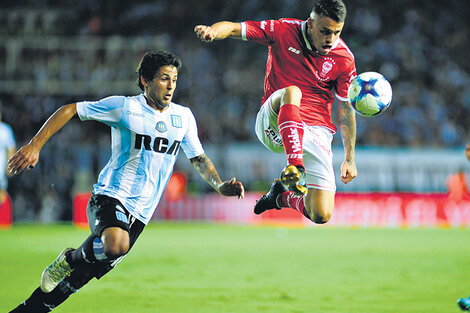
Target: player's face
point(323, 32)
point(159, 91)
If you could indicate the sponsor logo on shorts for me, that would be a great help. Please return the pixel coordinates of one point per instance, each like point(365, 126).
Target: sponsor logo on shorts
point(321, 146)
point(273, 136)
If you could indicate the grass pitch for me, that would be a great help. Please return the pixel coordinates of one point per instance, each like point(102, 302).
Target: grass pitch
point(217, 268)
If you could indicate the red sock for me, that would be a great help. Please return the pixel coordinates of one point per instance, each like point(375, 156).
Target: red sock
point(292, 133)
point(290, 200)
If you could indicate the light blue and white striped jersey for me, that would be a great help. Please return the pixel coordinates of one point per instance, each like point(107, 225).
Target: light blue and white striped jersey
point(145, 145)
point(7, 142)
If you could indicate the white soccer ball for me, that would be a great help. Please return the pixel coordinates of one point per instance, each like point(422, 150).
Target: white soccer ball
point(370, 93)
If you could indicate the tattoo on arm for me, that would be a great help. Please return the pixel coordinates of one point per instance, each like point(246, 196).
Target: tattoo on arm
point(347, 125)
point(207, 170)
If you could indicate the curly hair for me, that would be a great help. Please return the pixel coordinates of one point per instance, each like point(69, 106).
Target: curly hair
point(152, 61)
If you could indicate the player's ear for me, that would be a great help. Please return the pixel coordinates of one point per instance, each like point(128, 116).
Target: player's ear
point(143, 82)
point(309, 22)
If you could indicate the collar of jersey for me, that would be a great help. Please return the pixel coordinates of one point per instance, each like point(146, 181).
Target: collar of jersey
point(148, 107)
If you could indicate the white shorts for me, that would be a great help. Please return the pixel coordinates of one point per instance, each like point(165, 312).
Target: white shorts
point(318, 157)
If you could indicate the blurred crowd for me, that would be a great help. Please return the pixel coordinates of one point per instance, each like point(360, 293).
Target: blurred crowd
point(53, 53)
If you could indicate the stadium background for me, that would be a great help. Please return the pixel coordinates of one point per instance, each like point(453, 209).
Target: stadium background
point(57, 52)
point(53, 53)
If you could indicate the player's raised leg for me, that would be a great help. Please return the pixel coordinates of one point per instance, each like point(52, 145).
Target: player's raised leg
point(318, 204)
point(286, 103)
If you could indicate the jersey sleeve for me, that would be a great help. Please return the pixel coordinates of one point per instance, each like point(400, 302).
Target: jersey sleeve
point(191, 144)
point(263, 32)
point(344, 80)
point(107, 110)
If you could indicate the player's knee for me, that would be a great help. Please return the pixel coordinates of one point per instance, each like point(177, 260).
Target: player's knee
point(292, 95)
point(114, 248)
point(115, 243)
point(321, 217)
point(293, 91)
point(319, 214)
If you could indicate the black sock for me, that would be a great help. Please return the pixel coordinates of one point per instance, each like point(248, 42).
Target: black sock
point(34, 304)
point(83, 254)
point(41, 302)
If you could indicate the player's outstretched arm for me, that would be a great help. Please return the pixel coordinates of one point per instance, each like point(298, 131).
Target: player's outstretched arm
point(207, 170)
point(28, 155)
point(218, 31)
point(347, 126)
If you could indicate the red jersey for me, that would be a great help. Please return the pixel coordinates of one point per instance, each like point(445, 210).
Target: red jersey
point(293, 61)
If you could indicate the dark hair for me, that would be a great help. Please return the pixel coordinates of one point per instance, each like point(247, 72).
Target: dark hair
point(334, 9)
point(152, 61)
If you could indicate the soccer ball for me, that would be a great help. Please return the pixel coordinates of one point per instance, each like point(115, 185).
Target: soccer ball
point(370, 93)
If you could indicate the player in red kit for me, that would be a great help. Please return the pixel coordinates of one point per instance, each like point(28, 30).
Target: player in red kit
point(308, 65)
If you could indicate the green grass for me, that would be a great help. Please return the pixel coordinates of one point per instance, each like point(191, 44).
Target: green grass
point(216, 268)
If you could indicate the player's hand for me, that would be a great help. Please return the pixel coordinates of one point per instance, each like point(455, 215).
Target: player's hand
point(205, 33)
point(348, 171)
point(26, 157)
point(232, 188)
point(467, 152)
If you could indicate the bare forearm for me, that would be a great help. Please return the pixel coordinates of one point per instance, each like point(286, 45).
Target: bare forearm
point(218, 31)
point(227, 29)
point(28, 155)
point(207, 170)
point(347, 126)
point(54, 123)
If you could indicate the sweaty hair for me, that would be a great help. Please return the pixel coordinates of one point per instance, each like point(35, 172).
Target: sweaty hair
point(151, 63)
point(334, 9)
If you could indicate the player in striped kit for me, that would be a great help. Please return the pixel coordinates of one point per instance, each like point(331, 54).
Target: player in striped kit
point(147, 132)
point(308, 65)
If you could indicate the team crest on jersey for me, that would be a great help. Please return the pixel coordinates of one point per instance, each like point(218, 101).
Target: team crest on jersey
point(161, 126)
point(325, 69)
point(176, 121)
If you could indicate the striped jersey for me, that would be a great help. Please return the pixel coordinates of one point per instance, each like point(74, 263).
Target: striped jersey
point(7, 142)
point(293, 61)
point(144, 147)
